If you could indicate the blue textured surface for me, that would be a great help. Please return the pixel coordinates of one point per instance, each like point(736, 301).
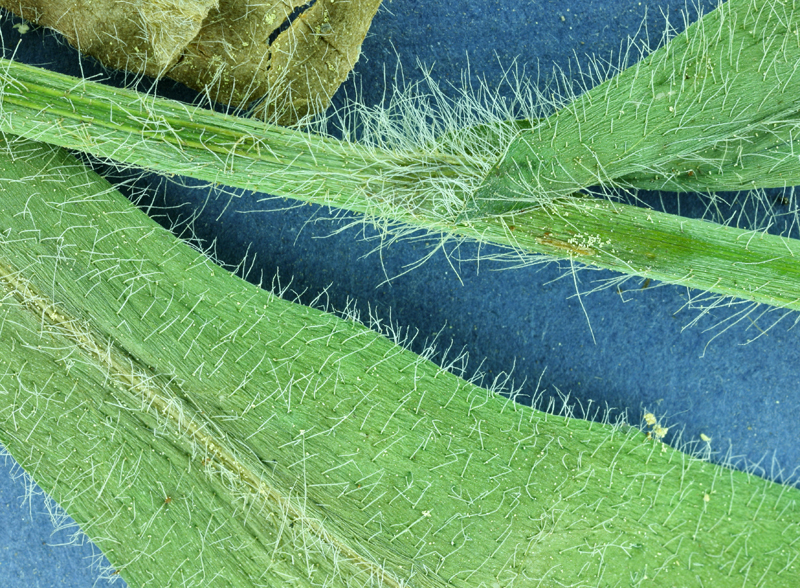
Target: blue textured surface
point(743, 396)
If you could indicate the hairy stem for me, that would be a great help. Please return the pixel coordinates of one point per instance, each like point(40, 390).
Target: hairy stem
point(173, 138)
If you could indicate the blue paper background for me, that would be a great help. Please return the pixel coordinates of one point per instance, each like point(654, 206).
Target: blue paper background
point(742, 396)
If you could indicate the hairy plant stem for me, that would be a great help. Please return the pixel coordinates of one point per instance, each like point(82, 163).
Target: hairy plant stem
point(204, 432)
point(399, 186)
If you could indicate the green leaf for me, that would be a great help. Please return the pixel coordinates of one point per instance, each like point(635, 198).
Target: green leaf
point(204, 432)
point(767, 159)
point(714, 109)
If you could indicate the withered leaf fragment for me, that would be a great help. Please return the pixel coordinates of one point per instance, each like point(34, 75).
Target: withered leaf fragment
point(286, 58)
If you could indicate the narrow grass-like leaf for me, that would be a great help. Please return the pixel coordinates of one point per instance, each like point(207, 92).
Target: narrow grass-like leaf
point(717, 108)
point(430, 184)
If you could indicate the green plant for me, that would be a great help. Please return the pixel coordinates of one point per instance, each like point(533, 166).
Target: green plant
point(454, 177)
point(358, 480)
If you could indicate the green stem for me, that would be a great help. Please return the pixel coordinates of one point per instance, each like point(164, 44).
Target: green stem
point(176, 139)
point(437, 187)
point(750, 265)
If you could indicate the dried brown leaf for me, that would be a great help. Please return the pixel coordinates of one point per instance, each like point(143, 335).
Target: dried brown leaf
point(286, 56)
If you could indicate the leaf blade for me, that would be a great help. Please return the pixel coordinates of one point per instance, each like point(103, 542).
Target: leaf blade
point(722, 82)
point(332, 454)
